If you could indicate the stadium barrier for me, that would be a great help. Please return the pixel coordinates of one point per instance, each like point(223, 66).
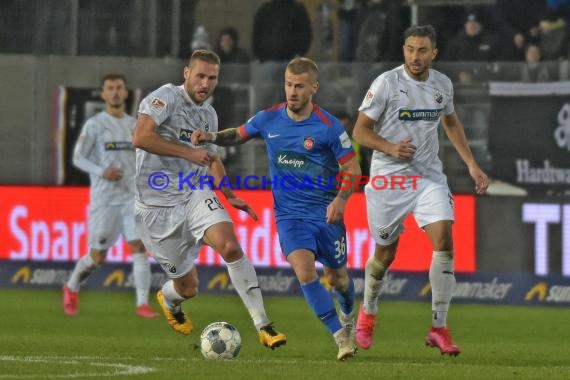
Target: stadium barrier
point(497, 289)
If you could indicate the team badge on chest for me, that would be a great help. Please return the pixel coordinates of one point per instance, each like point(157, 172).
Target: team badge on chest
point(309, 143)
point(438, 96)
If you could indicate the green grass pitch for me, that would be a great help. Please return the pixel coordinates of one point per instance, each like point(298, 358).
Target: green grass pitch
point(107, 341)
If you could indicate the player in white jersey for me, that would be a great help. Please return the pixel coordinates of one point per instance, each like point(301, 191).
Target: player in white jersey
point(175, 214)
point(398, 118)
point(104, 150)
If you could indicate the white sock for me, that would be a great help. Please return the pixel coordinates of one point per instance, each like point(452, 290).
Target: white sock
point(83, 268)
point(244, 279)
point(374, 272)
point(142, 277)
point(172, 299)
point(442, 279)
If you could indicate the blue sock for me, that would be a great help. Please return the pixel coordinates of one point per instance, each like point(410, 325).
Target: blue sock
point(346, 299)
point(322, 304)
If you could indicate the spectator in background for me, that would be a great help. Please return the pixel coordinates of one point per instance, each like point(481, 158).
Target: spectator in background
point(447, 20)
point(551, 35)
point(472, 44)
point(347, 13)
point(534, 70)
point(200, 39)
point(281, 30)
point(515, 50)
point(227, 47)
point(514, 19)
point(561, 6)
point(380, 32)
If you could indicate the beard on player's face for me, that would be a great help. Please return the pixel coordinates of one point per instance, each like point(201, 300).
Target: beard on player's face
point(417, 68)
point(297, 104)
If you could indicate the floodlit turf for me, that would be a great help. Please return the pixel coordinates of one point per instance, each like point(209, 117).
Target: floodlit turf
point(107, 341)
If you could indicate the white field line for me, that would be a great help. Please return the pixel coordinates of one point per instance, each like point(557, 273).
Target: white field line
point(120, 369)
point(116, 369)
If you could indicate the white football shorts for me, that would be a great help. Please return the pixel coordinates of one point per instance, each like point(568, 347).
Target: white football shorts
point(173, 235)
point(106, 223)
point(430, 202)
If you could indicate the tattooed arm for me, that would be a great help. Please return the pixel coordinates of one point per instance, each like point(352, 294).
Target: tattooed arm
point(227, 137)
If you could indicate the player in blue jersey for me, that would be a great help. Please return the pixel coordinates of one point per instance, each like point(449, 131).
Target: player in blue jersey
point(305, 146)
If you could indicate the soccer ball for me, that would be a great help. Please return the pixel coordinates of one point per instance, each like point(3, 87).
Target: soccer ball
point(220, 340)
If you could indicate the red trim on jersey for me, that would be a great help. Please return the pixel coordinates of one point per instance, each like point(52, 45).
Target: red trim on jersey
point(275, 107)
point(241, 131)
point(344, 159)
point(321, 115)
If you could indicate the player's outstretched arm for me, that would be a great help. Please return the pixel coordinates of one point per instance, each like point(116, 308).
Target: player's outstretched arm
point(456, 134)
point(227, 137)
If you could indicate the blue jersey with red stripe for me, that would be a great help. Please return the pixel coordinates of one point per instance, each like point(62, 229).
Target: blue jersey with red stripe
point(304, 159)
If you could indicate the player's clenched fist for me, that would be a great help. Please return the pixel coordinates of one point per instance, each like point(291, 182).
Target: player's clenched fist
point(200, 136)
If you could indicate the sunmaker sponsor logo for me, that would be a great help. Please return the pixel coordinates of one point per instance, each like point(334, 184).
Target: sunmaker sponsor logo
point(118, 145)
point(413, 115)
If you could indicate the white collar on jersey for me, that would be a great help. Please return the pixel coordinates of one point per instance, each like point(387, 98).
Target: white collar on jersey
point(413, 79)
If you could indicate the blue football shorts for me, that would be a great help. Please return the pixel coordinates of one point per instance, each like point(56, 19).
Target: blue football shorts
point(326, 241)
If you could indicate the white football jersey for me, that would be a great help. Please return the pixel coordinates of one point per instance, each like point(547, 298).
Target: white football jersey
point(106, 141)
point(406, 108)
point(177, 116)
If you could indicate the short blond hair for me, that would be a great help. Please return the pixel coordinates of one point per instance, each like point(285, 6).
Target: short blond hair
point(204, 55)
point(302, 65)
